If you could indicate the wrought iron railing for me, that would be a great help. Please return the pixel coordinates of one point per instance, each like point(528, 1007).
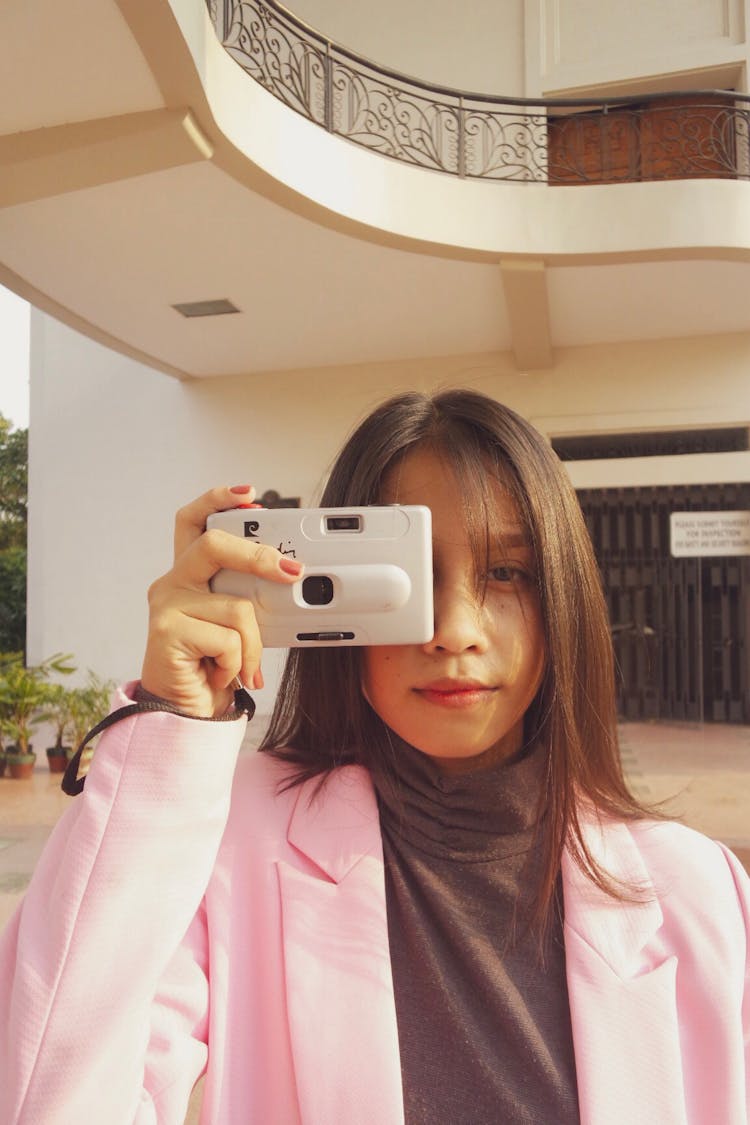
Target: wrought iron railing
point(687, 135)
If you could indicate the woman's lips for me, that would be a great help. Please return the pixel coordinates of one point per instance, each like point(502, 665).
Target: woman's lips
point(454, 694)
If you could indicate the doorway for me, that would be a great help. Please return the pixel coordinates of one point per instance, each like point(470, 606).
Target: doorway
point(680, 626)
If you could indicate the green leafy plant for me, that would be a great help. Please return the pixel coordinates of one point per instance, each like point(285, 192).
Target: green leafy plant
point(6, 660)
point(12, 597)
point(59, 712)
point(13, 519)
point(88, 705)
point(23, 695)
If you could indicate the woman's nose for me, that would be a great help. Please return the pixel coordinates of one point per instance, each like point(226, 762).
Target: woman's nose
point(459, 621)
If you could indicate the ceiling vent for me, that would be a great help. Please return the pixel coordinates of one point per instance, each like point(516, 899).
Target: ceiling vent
point(206, 308)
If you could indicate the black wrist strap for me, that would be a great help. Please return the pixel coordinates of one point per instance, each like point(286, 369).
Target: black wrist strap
point(72, 784)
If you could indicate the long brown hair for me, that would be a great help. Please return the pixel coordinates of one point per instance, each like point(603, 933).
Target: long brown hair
point(322, 720)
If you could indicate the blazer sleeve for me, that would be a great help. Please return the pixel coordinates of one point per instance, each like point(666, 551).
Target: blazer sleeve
point(742, 885)
point(103, 968)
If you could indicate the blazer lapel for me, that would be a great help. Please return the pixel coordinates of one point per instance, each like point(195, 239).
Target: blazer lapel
point(621, 988)
point(338, 974)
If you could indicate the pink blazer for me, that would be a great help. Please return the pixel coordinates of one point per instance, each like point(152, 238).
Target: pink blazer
point(160, 920)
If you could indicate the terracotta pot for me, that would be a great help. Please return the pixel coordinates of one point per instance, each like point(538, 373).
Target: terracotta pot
point(57, 758)
point(20, 766)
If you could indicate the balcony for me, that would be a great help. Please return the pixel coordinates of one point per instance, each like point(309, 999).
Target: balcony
point(701, 134)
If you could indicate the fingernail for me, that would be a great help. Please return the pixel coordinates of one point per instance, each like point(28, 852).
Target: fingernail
point(258, 681)
point(290, 566)
point(241, 489)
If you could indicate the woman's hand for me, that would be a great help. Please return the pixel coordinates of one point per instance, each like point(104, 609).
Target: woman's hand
point(198, 641)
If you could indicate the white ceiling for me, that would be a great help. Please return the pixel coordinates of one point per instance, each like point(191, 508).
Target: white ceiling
point(117, 256)
point(648, 300)
point(69, 62)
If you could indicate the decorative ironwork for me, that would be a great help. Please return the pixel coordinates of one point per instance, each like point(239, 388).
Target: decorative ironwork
point(272, 51)
point(377, 113)
point(673, 136)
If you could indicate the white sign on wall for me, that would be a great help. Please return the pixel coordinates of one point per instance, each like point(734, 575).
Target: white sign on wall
point(709, 533)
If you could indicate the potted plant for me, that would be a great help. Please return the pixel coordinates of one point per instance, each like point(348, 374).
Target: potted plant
point(21, 696)
point(59, 713)
point(23, 693)
point(88, 706)
point(6, 658)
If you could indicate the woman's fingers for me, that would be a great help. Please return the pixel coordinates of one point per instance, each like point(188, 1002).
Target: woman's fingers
point(192, 663)
point(190, 521)
point(216, 549)
point(172, 618)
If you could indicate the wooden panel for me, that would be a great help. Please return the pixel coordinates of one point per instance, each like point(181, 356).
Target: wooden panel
point(666, 139)
point(680, 139)
point(594, 148)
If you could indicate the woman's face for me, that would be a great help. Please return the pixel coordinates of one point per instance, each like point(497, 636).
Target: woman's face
point(462, 696)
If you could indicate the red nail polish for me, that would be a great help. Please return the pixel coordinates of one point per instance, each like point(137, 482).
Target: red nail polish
point(290, 566)
point(258, 681)
point(241, 489)
point(249, 506)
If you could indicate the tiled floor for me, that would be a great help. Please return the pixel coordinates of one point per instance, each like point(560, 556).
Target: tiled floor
point(28, 812)
point(702, 773)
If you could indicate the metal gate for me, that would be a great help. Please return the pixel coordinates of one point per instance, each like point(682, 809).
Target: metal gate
point(680, 626)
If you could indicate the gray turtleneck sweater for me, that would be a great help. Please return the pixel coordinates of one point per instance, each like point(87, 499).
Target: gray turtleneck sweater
point(484, 1025)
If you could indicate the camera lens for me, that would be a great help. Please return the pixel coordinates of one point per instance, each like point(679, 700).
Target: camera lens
point(317, 589)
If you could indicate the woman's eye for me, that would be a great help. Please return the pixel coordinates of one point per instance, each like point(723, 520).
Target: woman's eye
point(507, 573)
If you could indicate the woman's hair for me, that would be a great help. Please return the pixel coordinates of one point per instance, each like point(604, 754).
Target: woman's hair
point(322, 719)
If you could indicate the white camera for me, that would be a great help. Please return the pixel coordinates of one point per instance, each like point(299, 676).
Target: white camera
point(367, 577)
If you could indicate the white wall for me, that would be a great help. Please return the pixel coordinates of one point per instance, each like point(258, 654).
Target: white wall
point(573, 45)
point(476, 46)
point(116, 448)
point(539, 48)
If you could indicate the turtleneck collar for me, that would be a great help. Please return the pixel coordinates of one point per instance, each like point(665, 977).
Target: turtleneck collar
point(484, 814)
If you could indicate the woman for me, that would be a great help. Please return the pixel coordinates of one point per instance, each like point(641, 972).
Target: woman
point(432, 897)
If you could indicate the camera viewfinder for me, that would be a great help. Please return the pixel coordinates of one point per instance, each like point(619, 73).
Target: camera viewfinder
point(343, 523)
